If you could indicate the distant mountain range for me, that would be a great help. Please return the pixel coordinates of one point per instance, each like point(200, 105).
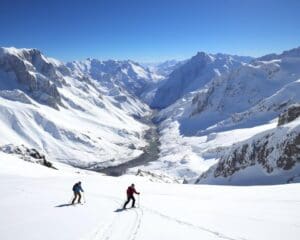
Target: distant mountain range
point(216, 114)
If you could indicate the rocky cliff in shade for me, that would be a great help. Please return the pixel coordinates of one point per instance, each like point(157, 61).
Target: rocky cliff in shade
point(292, 113)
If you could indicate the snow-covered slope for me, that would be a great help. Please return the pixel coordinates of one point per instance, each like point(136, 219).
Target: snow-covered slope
point(265, 110)
point(128, 75)
point(193, 75)
point(270, 157)
point(67, 115)
point(35, 200)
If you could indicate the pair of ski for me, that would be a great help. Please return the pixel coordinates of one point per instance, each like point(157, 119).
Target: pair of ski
point(124, 209)
point(76, 204)
point(128, 208)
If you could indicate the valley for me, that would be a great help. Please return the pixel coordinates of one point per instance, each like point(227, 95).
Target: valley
point(177, 119)
point(150, 152)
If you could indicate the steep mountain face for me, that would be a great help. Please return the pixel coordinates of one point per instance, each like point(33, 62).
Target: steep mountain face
point(249, 95)
point(254, 93)
point(65, 114)
point(32, 73)
point(270, 157)
point(163, 69)
point(193, 75)
point(112, 74)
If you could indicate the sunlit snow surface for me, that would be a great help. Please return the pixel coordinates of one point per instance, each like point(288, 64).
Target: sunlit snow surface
point(33, 198)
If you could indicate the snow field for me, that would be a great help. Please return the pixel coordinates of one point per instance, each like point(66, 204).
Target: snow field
point(33, 198)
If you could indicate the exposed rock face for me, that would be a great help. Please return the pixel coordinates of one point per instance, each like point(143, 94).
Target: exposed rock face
point(291, 154)
point(201, 100)
point(27, 154)
point(37, 77)
point(260, 152)
point(291, 114)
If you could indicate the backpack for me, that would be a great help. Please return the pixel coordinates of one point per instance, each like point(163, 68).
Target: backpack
point(75, 187)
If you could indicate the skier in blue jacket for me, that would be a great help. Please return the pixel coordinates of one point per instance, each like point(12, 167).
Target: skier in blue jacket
point(76, 190)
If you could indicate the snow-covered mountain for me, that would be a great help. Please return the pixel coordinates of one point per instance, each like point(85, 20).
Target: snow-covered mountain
point(128, 75)
point(251, 94)
point(85, 113)
point(198, 129)
point(194, 74)
point(272, 156)
point(69, 116)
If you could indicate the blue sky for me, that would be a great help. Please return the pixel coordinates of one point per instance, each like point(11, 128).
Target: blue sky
point(150, 30)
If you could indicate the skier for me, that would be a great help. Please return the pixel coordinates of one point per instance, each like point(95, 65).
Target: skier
point(130, 192)
point(76, 190)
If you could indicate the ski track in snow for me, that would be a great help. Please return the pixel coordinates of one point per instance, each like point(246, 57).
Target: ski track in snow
point(107, 232)
point(218, 234)
point(111, 229)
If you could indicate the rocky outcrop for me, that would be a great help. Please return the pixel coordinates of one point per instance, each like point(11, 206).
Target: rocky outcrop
point(260, 152)
point(200, 101)
point(289, 115)
point(27, 154)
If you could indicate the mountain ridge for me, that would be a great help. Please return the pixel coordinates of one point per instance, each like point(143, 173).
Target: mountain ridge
point(212, 102)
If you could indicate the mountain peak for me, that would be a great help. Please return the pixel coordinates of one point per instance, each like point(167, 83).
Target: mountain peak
point(19, 52)
point(202, 56)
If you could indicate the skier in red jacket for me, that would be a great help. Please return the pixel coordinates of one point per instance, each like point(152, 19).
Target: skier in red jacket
point(130, 195)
